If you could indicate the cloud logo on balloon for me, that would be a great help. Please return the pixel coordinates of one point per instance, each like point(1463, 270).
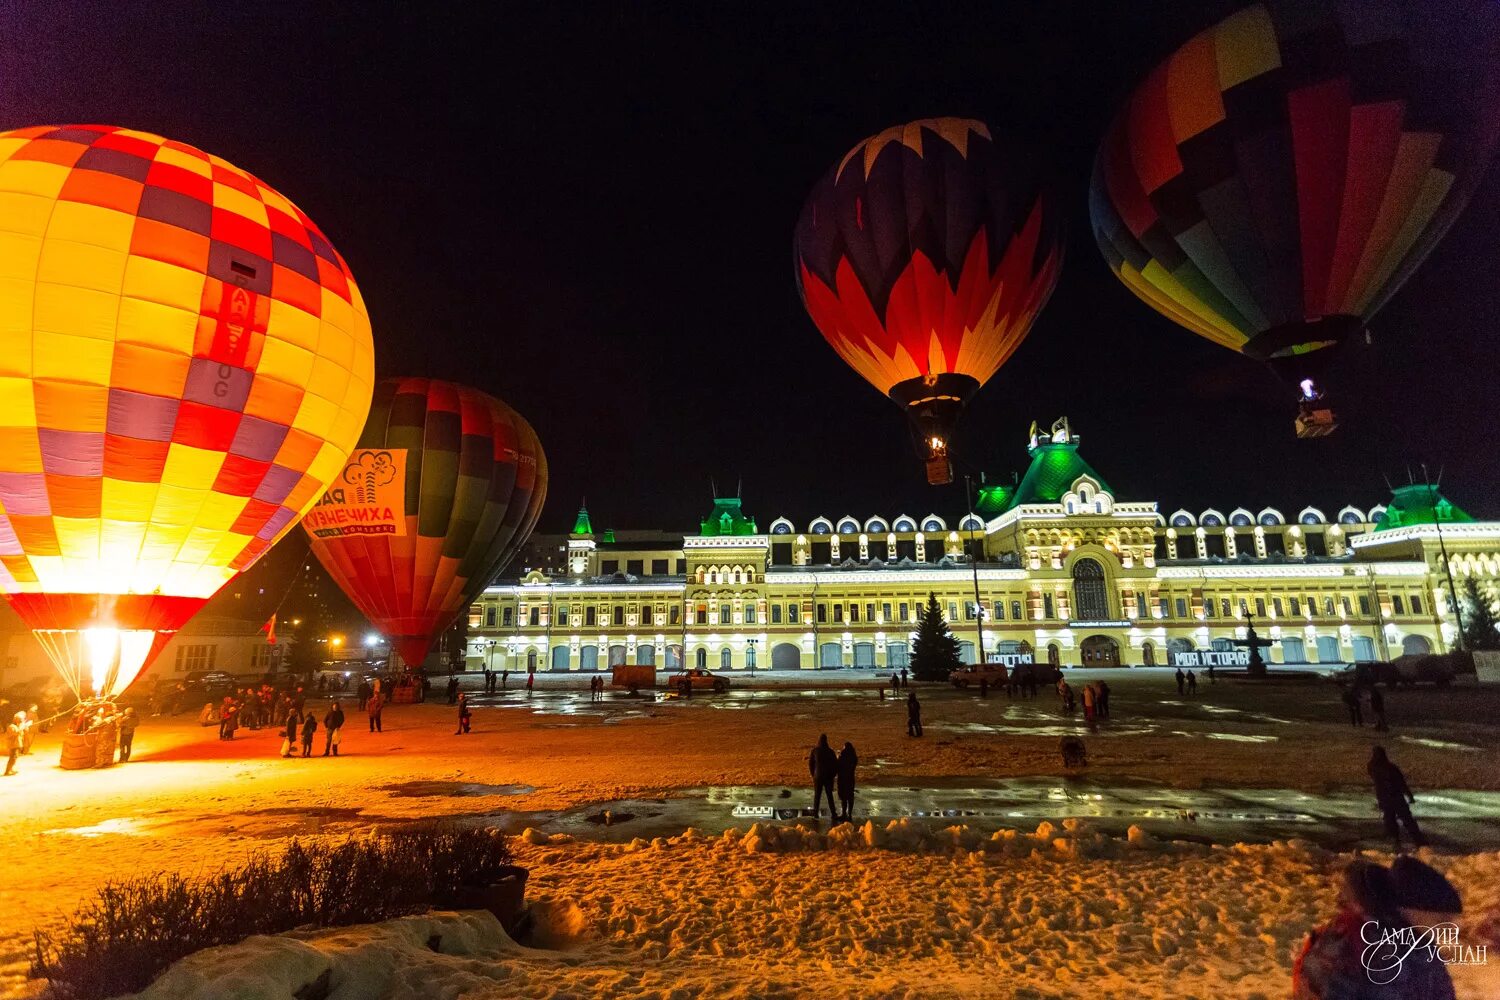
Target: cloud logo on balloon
point(370, 469)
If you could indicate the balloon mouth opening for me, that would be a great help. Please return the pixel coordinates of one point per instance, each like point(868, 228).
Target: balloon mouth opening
point(933, 405)
point(1291, 341)
point(99, 661)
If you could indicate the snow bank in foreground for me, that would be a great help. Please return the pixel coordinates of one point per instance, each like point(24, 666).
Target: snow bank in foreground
point(892, 911)
point(398, 958)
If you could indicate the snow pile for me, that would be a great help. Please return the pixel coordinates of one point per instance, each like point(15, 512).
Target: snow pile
point(392, 959)
point(907, 836)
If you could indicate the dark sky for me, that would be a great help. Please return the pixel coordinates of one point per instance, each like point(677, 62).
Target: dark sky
point(587, 209)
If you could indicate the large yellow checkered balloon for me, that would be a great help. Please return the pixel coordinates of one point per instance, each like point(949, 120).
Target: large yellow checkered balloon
point(185, 363)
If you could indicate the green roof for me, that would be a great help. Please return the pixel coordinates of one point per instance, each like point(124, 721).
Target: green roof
point(727, 519)
point(583, 526)
point(993, 500)
point(1055, 467)
point(1418, 503)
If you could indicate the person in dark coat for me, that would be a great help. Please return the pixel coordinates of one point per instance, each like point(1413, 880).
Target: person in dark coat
point(1394, 797)
point(293, 730)
point(364, 691)
point(463, 715)
point(128, 722)
point(309, 726)
point(453, 690)
point(913, 715)
point(823, 765)
point(1181, 680)
point(1103, 706)
point(1351, 702)
point(374, 705)
point(332, 723)
point(848, 762)
point(1192, 682)
point(1377, 707)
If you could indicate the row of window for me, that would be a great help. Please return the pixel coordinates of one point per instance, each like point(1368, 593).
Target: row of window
point(637, 567)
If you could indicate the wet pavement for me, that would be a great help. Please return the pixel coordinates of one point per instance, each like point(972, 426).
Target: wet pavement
point(1452, 817)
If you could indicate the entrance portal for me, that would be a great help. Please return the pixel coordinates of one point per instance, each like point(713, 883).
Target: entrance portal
point(1100, 651)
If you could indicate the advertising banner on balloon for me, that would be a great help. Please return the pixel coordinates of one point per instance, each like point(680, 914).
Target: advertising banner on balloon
point(368, 498)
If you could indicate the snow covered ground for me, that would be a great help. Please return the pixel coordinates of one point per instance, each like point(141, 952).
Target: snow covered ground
point(902, 910)
point(907, 916)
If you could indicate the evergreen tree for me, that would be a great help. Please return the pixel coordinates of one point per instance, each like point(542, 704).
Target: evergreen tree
point(935, 652)
point(1480, 626)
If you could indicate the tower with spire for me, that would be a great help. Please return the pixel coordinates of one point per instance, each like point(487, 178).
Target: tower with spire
point(581, 543)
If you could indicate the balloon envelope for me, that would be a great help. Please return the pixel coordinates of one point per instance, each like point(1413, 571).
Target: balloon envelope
point(1274, 181)
point(185, 362)
point(473, 480)
point(923, 257)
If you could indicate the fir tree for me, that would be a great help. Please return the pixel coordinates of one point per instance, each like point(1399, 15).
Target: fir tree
point(935, 652)
point(1480, 627)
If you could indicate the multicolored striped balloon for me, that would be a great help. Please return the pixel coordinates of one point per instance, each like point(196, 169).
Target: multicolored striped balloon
point(1274, 181)
point(185, 362)
point(924, 257)
point(474, 480)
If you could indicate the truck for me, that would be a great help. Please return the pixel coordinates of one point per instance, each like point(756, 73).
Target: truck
point(633, 676)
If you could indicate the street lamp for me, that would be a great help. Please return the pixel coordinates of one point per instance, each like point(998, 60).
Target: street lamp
point(751, 643)
point(372, 640)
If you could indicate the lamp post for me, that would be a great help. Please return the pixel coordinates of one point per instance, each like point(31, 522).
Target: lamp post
point(751, 644)
point(1437, 522)
point(974, 563)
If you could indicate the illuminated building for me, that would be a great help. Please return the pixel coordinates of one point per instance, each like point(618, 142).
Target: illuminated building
point(1070, 572)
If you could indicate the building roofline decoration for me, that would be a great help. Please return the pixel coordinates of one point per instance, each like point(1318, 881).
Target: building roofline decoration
point(1419, 503)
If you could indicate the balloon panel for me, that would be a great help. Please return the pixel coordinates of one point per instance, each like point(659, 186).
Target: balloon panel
point(929, 249)
point(185, 361)
point(1295, 162)
point(476, 479)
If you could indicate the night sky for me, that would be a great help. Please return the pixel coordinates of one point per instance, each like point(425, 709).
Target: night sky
point(588, 211)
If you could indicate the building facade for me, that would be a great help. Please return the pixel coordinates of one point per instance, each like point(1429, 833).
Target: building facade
point(1055, 566)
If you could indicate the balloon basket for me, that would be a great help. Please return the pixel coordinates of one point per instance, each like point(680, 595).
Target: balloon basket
point(1316, 422)
point(95, 748)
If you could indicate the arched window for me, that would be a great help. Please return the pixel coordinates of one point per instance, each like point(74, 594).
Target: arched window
point(1182, 521)
point(875, 525)
point(781, 528)
point(701, 658)
point(1090, 599)
point(645, 655)
point(847, 527)
point(750, 657)
point(724, 658)
point(725, 615)
point(1240, 520)
point(932, 524)
point(905, 524)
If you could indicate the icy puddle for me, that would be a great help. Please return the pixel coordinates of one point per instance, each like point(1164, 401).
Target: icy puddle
point(1439, 744)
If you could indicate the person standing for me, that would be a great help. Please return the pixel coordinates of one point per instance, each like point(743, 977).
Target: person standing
point(1395, 799)
point(1192, 682)
point(13, 741)
point(1211, 678)
point(823, 765)
point(128, 723)
point(1103, 700)
point(1181, 680)
point(463, 715)
point(913, 715)
point(364, 691)
point(1351, 702)
point(1377, 708)
point(848, 762)
point(309, 727)
point(292, 732)
point(453, 689)
point(332, 723)
point(530, 680)
point(373, 707)
point(903, 677)
point(1088, 704)
point(33, 718)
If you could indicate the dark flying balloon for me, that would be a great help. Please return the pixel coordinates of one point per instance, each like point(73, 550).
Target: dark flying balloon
point(475, 481)
point(923, 257)
point(1274, 181)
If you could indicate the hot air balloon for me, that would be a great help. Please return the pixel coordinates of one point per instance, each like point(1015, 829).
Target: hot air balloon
point(185, 362)
point(1274, 181)
point(923, 257)
point(445, 486)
